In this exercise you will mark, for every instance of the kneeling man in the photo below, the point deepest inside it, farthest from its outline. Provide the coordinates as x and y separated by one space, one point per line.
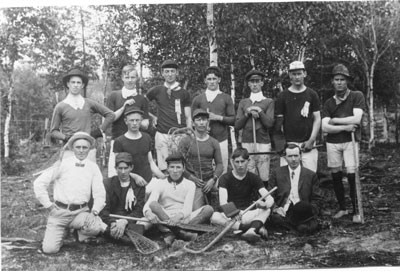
239 187
172 201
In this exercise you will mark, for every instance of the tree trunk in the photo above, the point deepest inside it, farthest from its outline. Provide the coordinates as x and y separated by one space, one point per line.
212 38
8 119
371 142
233 94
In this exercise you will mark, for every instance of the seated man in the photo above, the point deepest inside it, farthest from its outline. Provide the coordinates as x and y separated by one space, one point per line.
298 195
76 179
117 189
238 186
172 201
200 153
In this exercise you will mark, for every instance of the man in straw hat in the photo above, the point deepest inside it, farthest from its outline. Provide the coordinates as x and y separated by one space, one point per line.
256 110
298 196
75 180
74 113
341 116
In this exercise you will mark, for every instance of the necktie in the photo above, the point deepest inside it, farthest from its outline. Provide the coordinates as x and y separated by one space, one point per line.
292 175
79 164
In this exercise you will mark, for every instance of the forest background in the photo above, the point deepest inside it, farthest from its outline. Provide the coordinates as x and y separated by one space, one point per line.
41 44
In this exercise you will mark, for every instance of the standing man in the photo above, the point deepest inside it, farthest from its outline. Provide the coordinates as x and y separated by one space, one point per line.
298 196
172 201
173 109
298 110
118 101
341 116
200 153
75 180
138 144
74 113
238 186
221 109
117 189
259 110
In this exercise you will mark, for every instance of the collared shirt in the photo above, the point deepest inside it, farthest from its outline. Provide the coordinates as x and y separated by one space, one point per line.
256 97
75 102
211 94
128 92
72 184
294 190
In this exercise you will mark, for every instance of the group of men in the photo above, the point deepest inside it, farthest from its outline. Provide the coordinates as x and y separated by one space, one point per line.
177 188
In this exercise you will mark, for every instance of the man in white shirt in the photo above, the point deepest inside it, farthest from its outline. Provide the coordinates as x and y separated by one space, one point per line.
75 179
298 196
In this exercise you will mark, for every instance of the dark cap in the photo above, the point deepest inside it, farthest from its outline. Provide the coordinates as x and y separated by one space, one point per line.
302 212
131 110
215 70
75 72
169 63
252 73
175 157
340 69
123 157
200 112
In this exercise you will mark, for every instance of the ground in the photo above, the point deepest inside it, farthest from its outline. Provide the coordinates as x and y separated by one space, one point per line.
341 243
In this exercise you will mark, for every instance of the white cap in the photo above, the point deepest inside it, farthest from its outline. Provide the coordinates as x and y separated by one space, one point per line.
296 65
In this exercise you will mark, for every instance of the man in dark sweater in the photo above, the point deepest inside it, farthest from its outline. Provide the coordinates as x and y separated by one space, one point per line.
220 107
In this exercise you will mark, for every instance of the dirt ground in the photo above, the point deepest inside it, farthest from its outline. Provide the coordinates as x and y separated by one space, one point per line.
339 244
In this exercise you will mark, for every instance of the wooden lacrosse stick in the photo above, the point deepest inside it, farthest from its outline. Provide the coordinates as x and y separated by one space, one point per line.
226 229
360 217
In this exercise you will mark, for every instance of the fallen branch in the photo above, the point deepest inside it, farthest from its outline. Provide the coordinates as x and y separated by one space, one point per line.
17 239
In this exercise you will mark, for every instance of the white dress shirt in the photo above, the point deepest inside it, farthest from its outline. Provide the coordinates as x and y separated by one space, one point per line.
294 190
128 92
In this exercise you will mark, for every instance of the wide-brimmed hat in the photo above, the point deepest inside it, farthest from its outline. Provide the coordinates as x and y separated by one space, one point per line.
200 112
296 65
169 63
80 135
75 72
341 69
301 213
255 74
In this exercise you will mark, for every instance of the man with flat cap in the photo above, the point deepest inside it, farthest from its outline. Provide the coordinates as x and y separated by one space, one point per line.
297 111
257 110
172 201
221 110
341 116
117 189
76 179
74 113
173 109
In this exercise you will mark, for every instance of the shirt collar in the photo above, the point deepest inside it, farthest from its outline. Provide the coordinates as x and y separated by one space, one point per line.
76 102
212 94
340 100
128 92
256 97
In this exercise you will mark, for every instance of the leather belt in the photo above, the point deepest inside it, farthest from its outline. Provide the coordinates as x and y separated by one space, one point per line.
71 207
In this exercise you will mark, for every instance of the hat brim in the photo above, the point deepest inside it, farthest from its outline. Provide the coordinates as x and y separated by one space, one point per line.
201 115
66 78
339 73
75 137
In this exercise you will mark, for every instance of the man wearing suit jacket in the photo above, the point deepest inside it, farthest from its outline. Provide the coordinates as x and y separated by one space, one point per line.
298 195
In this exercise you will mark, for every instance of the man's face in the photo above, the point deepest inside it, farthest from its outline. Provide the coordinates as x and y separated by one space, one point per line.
130 79
170 75
212 81
133 121
297 77
201 123
293 157
240 165
75 85
175 170
123 171
81 148
255 84
339 83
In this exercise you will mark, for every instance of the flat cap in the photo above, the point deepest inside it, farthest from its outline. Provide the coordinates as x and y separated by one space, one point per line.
254 73
123 157
131 110
296 65
200 112
169 63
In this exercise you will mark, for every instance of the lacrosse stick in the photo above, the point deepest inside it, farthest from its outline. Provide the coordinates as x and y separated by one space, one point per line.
193 246
254 134
183 226
276 152
143 244
360 217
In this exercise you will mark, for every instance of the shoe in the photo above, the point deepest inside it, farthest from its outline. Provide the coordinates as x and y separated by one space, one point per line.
340 214
263 233
251 236
187 236
169 239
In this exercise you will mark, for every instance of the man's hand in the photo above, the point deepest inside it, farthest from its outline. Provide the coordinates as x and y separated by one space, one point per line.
130 199
262 205
307 146
154 122
199 183
129 102
280 211
350 127
213 116
152 217
175 219
118 228
139 179
208 185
